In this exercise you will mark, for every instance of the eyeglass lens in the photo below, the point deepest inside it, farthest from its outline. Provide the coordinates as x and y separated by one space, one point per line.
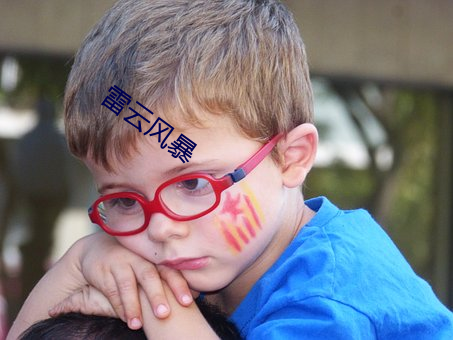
185 198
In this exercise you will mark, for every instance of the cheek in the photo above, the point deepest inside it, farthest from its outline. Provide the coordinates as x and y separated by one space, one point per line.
240 219
138 246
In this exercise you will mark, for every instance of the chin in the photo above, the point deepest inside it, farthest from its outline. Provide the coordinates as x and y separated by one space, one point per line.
205 284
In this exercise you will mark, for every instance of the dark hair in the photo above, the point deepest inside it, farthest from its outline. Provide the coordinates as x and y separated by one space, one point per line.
75 326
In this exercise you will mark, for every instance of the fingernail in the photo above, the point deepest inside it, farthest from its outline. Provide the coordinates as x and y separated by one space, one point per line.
162 310
186 299
135 323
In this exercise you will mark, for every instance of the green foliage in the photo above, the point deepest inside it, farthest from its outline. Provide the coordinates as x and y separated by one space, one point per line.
401 198
412 219
347 188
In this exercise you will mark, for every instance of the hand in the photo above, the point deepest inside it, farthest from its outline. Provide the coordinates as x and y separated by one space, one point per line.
98 260
117 271
183 323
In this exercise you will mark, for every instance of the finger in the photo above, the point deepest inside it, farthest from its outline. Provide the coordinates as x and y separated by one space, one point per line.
110 289
128 291
151 282
177 284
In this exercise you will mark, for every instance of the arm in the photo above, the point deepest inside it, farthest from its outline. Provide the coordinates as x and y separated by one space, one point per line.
183 323
63 279
99 260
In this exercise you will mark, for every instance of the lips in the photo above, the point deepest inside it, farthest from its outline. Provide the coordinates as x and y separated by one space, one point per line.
186 263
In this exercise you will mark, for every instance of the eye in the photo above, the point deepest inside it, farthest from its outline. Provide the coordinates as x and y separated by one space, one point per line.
124 202
194 184
195 187
121 205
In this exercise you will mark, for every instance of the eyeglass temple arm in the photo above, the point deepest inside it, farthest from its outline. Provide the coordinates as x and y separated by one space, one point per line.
245 168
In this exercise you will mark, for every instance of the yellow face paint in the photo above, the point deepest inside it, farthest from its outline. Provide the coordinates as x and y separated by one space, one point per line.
240 219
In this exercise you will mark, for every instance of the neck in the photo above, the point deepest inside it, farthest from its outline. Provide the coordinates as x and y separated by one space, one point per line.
293 218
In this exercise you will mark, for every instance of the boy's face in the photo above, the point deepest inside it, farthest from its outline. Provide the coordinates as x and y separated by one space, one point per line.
223 245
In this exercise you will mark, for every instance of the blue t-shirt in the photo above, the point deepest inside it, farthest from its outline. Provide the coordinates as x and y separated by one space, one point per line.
342 278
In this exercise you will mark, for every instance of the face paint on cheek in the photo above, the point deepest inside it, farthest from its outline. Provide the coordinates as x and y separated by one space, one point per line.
240 218
254 212
230 237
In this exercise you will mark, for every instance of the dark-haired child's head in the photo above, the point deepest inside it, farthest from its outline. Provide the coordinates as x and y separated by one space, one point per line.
75 326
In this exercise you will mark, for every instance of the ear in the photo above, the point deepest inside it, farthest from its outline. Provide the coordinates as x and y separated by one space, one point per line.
298 152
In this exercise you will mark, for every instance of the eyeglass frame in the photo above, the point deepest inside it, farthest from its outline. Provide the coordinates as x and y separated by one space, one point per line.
157 206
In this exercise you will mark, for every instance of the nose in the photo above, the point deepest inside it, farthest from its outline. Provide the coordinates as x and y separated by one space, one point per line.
161 228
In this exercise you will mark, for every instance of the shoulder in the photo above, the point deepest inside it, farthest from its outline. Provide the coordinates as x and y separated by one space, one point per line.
343 267
373 277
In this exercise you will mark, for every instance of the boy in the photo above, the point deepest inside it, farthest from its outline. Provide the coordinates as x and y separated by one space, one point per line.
231 79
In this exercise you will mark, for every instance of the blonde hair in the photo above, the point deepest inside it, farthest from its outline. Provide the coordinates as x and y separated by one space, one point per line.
240 58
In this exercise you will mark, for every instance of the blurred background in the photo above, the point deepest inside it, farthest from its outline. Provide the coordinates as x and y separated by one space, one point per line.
383 79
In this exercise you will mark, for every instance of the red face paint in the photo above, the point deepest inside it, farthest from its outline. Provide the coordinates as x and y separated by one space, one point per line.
231 206
239 219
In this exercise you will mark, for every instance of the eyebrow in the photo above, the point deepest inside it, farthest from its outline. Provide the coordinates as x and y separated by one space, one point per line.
196 165
111 186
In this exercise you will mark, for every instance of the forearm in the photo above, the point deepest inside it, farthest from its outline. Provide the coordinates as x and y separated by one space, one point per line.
183 322
63 279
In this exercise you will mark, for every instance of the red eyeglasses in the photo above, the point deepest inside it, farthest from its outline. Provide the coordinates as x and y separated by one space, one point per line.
182 198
